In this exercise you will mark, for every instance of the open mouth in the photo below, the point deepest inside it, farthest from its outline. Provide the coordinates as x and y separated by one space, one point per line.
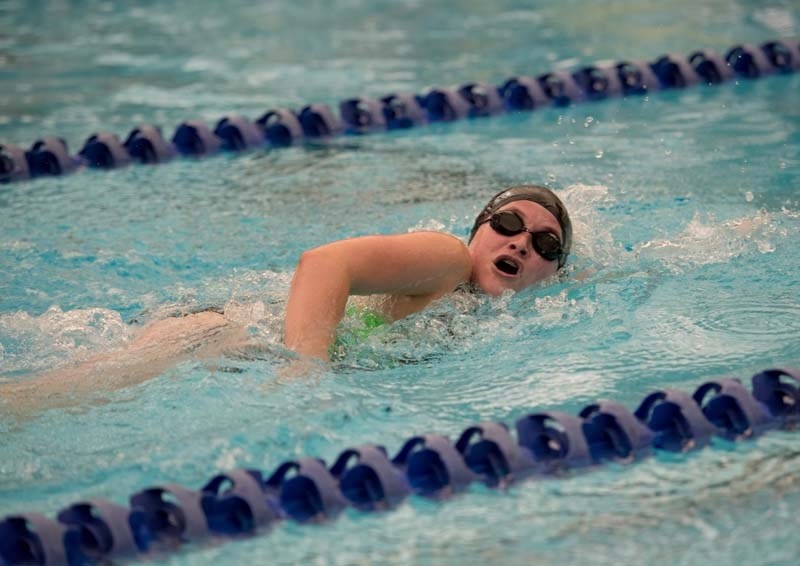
507 266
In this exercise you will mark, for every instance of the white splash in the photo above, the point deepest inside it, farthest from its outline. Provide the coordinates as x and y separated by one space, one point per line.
591 232
29 343
705 240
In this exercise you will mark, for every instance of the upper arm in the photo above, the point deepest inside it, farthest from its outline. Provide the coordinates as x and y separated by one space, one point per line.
413 264
412 269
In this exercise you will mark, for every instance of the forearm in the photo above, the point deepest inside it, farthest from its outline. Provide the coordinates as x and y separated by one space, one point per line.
317 300
156 348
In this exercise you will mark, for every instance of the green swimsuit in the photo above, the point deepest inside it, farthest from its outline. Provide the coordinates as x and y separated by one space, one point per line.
357 325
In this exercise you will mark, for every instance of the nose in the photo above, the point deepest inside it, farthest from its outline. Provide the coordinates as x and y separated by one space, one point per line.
519 243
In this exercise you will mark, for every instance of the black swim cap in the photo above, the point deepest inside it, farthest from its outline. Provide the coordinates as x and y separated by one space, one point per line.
534 193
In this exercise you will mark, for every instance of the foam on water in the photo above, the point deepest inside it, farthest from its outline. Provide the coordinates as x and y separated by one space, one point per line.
706 240
34 343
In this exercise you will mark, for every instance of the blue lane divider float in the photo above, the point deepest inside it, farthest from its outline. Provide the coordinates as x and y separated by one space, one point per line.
242 502
280 127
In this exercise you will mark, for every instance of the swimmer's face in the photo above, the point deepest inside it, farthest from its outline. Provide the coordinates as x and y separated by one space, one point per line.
500 263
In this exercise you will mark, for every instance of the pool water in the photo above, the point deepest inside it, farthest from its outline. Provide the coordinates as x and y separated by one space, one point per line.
685 267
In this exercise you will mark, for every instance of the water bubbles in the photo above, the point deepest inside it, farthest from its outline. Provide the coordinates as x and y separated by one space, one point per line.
598 154
32 343
766 247
588 121
789 213
431 225
748 196
551 177
668 152
706 241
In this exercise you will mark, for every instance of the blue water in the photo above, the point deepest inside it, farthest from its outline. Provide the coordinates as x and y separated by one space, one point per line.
686 266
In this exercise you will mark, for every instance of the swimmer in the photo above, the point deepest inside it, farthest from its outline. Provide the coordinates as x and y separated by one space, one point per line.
522 236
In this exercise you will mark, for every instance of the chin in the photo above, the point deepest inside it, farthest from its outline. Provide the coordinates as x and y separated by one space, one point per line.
493 287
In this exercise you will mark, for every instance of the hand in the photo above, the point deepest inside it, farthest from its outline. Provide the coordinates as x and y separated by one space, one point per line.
302 367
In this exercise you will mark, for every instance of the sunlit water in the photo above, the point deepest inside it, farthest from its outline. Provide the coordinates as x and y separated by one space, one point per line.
685 267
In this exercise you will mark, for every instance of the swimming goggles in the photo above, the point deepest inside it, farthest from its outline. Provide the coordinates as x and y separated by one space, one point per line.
509 223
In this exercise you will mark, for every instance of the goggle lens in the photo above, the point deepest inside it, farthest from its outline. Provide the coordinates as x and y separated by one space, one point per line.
508 223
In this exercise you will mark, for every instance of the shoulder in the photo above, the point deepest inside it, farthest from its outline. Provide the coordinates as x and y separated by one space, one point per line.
426 243
440 248
414 263
442 240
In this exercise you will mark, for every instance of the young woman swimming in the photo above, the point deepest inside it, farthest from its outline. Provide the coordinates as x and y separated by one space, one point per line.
522 236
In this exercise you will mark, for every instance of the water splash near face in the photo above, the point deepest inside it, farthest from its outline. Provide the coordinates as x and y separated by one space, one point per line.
593 239
706 240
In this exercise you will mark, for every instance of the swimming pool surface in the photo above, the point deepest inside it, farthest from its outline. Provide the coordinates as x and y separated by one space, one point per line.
686 266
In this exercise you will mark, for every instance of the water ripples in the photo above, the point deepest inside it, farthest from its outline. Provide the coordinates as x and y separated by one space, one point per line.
769 321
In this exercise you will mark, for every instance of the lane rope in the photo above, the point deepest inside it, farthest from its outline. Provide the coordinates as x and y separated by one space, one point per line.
243 502
281 127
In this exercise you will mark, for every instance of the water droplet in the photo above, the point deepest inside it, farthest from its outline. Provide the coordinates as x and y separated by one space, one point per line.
748 196
766 247
551 177
782 165
571 142
598 154
588 121
668 152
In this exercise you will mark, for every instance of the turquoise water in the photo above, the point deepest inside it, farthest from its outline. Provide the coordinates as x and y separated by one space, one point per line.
686 266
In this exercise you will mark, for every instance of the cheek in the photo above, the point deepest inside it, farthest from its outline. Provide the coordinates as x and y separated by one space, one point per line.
480 249
541 269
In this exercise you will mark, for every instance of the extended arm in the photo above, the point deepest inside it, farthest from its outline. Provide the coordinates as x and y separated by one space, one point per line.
414 269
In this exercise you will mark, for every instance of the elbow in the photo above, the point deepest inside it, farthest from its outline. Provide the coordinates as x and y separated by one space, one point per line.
313 259
307 259
319 263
